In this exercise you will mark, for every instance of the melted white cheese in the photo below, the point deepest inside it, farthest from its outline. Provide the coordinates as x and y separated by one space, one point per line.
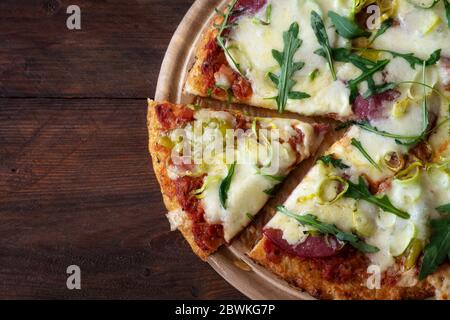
384 230
258 162
246 194
255 42
375 145
412 36
420 32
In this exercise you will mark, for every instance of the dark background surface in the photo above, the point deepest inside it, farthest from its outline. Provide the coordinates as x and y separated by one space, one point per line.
76 183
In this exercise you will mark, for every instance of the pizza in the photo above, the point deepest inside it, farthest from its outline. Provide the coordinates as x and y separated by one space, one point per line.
217 168
350 217
260 49
370 218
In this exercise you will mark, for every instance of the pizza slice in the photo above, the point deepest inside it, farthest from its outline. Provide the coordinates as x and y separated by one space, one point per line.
217 169
319 57
369 221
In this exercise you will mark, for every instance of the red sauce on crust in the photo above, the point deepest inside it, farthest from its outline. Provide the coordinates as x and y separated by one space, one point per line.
346 264
242 123
215 62
189 203
343 267
242 89
207 236
296 140
212 62
171 117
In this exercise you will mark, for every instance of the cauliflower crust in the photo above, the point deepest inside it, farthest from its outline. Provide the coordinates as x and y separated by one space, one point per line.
303 273
159 157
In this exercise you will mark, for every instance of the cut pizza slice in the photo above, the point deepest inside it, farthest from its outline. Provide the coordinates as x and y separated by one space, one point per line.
217 169
369 221
318 57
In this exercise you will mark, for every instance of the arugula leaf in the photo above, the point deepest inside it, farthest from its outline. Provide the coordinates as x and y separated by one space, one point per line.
325 228
285 59
357 144
447 11
271 192
399 139
361 191
337 163
411 58
221 29
444 209
249 216
346 27
225 186
436 252
377 89
403 140
322 37
368 68
366 76
383 28
346 55
268 17
365 124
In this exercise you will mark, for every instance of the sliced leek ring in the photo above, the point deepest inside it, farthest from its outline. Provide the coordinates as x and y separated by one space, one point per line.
400 108
439 176
219 124
401 239
434 21
329 192
410 174
166 142
394 161
388 7
414 250
200 193
306 198
363 225
239 55
443 164
386 220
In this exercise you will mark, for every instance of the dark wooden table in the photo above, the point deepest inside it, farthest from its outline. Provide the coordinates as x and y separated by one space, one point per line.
76 183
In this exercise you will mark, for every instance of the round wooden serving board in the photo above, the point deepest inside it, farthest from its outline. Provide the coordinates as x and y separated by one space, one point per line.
231 262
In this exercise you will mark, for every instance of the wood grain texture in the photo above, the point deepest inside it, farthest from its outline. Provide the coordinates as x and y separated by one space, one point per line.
117 53
76 183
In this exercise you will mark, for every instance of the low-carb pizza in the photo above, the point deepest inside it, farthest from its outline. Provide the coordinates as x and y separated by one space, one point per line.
371 218
318 57
364 210
217 169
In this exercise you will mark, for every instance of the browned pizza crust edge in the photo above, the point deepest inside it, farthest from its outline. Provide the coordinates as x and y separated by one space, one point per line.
158 161
195 82
304 274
